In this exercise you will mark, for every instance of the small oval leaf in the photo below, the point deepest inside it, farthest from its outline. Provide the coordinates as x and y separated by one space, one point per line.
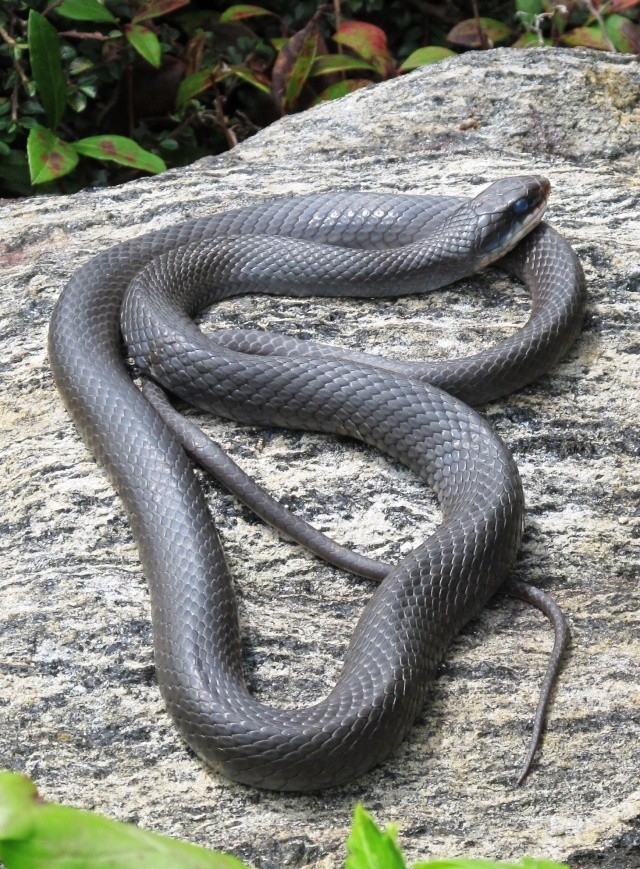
624 34
426 54
620 5
527 10
467 33
192 85
329 63
530 40
145 42
246 74
46 66
242 10
367 40
49 157
586 37
84 10
341 89
155 8
120 149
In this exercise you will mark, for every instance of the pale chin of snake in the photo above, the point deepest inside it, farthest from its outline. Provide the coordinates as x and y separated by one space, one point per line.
151 286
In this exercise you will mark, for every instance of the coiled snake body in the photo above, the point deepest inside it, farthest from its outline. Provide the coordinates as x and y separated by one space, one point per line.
331 244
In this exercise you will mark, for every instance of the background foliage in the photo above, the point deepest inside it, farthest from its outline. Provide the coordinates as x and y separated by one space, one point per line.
96 92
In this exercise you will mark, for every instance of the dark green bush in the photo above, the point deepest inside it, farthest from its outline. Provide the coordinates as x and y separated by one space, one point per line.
94 92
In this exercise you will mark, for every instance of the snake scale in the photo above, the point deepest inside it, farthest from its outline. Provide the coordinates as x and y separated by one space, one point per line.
334 244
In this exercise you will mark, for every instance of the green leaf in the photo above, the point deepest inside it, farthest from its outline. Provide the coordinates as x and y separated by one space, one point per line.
192 85
155 8
341 89
530 40
425 55
243 10
328 63
624 34
371 848
527 10
84 10
121 150
145 42
37 835
49 157
245 74
300 70
367 40
466 33
586 37
44 54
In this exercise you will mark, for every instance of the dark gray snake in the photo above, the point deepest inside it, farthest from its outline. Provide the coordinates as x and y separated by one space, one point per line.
358 244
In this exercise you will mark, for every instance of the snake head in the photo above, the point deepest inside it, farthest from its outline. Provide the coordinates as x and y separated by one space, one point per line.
504 213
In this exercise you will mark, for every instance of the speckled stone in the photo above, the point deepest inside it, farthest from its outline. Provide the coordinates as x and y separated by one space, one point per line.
79 708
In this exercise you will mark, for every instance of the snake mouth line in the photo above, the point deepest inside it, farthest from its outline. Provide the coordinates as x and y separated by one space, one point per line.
521 228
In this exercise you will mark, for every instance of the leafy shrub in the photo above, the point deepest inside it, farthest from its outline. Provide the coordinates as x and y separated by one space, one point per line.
95 92
35 834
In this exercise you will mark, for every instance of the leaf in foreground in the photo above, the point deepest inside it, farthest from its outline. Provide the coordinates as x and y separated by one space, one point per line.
38 835
372 848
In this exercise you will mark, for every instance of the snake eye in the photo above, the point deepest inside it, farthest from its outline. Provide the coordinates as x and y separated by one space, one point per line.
521 205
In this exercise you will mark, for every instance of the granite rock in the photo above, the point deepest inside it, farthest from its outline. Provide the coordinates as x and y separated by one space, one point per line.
79 707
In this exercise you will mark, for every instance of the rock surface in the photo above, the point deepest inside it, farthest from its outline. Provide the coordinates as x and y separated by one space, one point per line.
80 711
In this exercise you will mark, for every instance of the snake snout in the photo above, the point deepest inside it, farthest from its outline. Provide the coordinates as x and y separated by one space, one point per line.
505 212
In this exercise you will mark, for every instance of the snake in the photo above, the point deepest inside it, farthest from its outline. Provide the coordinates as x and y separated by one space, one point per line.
130 310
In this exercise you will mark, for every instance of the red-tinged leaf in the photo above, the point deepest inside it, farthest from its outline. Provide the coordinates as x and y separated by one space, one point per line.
192 85
300 70
341 89
84 10
155 8
121 150
621 5
586 37
367 40
260 82
243 10
424 55
624 34
466 33
145 42
49 157
293 65
46 67
330 63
